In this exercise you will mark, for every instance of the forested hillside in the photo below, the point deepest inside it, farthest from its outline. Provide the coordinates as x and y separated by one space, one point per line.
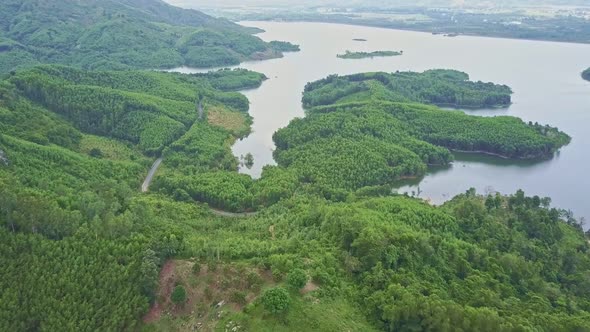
110 34
439 87
586 74
74 148
330 248
369 129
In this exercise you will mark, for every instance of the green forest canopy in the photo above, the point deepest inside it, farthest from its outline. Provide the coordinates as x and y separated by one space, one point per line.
75 146
439 87
361 132
122 34
362 55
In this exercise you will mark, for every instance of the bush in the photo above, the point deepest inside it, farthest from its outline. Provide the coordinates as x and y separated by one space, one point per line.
239 297
254 280
96 153
178 295
297 278
212 265
276 300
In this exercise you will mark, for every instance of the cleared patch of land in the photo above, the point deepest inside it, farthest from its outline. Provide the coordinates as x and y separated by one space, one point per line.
234 122
108 148
214 290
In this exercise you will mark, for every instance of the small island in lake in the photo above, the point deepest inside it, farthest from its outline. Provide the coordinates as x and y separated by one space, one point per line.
359 39
363 55
586 74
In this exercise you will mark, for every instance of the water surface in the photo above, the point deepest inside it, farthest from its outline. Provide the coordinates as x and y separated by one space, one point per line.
545 77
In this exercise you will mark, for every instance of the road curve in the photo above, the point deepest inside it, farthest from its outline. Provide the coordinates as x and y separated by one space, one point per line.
226 214
200 110
148 180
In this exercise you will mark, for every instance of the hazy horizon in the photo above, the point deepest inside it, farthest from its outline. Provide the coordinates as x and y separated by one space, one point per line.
387 3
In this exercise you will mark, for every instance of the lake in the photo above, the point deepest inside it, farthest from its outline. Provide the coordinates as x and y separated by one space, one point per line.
545 77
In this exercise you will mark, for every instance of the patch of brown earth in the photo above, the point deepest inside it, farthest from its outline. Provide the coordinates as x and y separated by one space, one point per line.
166 275
234 122
309 287
213 291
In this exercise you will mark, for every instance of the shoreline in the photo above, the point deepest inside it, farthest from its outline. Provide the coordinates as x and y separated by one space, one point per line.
485 153
493 154
413 30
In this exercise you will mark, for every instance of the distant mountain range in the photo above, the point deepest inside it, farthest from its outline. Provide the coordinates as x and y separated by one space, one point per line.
380 3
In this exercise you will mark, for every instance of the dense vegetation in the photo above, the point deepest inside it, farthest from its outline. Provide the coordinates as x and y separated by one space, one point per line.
364 139
362 55
328 148
121 35
364 144
439 87
586 74
74 147
330 249
151 110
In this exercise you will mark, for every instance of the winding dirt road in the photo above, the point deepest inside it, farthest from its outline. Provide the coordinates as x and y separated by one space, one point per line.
226 214
200 110
148 180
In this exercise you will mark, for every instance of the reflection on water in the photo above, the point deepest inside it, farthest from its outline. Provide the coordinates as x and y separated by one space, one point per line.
467 163
495 161
544 76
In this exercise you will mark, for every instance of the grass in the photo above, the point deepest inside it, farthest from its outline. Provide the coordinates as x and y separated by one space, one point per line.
111 149
306 313
217 283
236 123
212 284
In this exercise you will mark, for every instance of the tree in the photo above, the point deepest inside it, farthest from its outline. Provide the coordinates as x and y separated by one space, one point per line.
96 153
297 278
276 300
178 295
249 159
490 203
149 273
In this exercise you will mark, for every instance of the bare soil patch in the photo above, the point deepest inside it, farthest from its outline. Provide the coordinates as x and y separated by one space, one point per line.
213 290
166 275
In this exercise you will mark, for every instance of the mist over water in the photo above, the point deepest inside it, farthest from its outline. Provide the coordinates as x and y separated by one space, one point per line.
545 77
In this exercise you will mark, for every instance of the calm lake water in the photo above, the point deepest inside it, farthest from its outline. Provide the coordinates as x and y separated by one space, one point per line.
545 77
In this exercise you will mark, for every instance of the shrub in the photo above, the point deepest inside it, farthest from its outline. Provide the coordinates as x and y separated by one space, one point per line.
178 295
253 279
238 297
276 300
297 278
96 153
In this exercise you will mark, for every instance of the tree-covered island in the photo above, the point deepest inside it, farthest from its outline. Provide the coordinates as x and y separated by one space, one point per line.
363 55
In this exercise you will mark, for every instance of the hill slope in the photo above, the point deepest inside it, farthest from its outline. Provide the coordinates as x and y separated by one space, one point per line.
120 34
81 247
